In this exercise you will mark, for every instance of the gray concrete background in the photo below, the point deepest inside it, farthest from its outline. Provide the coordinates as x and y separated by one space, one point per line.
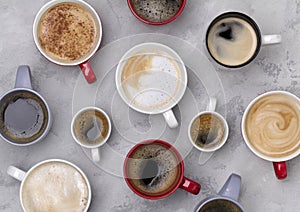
276 67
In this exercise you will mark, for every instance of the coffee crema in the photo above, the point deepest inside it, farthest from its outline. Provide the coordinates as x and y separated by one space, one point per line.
55 187
272 125
153 169
150 79
232 41
207 131
23 117
155 10
220 205
91 127
67 32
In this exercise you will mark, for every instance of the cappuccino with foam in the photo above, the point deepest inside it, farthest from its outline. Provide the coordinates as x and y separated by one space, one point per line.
233 39
55 186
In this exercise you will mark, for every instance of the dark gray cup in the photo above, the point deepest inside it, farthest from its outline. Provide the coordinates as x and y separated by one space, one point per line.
25 116
226 199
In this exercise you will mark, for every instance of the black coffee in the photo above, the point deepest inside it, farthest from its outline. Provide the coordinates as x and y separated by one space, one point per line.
23 117
153 169
156 10
220 205
91 127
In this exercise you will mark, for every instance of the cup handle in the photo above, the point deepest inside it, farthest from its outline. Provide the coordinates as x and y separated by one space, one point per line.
212 104
95 154
16 173
23 79
170 119
88 72
204 157
270 39
280 170
190 186
232 187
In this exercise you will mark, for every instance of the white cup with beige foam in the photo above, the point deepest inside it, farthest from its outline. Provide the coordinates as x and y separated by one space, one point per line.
53 185
151 78
271 128
233 39
208 131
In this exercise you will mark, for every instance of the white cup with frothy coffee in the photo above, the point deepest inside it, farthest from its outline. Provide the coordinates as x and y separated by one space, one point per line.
234 39
53 185
151 78
271 128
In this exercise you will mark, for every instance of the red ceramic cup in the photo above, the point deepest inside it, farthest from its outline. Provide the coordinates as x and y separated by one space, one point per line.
182 182
83 62
136 14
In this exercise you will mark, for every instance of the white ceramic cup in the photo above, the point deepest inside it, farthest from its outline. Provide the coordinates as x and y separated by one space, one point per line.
94 147
279 163
83 63
24 176
206 153
263 40
154 84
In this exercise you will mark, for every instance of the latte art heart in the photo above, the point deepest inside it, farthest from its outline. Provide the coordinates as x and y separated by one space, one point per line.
273 125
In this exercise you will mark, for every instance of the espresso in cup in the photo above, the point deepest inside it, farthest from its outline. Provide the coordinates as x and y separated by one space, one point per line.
91 127
271 125
207 130
220 205
233 39
153 169
23 116
55 186
68 32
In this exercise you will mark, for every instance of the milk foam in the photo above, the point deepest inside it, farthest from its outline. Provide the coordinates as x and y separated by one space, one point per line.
151 80
55 186
273 125
232 41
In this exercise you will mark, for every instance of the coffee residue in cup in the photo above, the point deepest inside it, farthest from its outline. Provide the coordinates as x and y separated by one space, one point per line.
156 10
207 130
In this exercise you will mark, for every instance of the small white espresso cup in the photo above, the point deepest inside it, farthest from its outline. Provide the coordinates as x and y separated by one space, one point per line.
207 150
67 171
151 78
101 132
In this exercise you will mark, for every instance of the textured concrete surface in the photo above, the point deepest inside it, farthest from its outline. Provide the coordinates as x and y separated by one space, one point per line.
276 67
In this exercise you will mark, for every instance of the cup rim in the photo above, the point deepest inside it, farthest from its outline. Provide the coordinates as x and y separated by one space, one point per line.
109 127
181 164
41 12
249 20
49 122
175 16
217 197
253 101
27 173
225 137
182 71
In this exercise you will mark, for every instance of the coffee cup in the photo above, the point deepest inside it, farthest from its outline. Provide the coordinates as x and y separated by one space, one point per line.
227 198
208 131
156 12
233 40
91 128
25 116
151 78
68 33
53 185
270 128
154 169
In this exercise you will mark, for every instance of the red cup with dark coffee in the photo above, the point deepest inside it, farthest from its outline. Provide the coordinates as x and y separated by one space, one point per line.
154 169
156 12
